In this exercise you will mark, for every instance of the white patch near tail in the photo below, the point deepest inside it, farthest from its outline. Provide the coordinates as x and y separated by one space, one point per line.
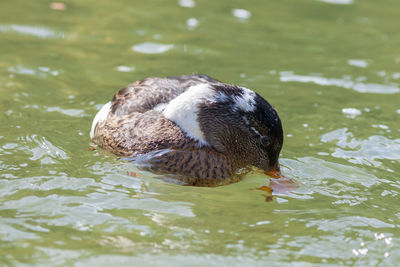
245 102
100 117
183 110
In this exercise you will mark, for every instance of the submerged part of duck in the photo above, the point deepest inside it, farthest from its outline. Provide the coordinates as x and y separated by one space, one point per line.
199 129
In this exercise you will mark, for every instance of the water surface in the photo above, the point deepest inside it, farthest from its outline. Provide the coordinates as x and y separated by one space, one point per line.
331 69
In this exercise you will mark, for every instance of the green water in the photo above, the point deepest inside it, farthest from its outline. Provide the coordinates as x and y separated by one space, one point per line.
331 70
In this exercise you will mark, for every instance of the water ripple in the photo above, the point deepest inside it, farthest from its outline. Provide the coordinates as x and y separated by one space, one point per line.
345 82
318 170
40 72
36 31
187 3
338 2
42 149
192 23
351 112
241 14
358 63
125 69
363 151
152 48
69 112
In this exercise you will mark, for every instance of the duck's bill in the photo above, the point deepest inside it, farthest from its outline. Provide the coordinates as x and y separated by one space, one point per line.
274 173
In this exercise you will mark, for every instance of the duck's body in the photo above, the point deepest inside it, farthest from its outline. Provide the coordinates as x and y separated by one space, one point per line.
200 129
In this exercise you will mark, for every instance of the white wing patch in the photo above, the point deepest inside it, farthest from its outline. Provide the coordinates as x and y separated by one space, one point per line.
245 102
183 110
160 107
100 117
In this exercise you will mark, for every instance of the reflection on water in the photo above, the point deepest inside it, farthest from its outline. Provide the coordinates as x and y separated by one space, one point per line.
36 31
125 69
192 23
346 82
69 112
338 2
242 14
40 72
152 48
358 63
187 3
370 151
351 112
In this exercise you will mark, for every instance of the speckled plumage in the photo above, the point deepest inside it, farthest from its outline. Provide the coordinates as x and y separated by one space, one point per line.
234 121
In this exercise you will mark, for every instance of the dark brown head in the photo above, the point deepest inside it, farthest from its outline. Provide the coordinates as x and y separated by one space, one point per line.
243 126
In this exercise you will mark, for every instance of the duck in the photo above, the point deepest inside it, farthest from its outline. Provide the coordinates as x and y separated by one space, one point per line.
197 129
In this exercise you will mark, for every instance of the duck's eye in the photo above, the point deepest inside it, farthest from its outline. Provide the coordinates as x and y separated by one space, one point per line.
265 140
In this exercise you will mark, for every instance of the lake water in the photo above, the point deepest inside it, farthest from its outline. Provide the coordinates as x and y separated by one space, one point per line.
330 67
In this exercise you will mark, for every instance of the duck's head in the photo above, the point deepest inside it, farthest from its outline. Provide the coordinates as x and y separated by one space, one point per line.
233 120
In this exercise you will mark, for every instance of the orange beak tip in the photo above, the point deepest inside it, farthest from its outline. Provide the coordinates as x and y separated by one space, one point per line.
273 173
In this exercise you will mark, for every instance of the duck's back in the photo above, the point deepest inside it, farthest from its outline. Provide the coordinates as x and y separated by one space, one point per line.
132 123
153 93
